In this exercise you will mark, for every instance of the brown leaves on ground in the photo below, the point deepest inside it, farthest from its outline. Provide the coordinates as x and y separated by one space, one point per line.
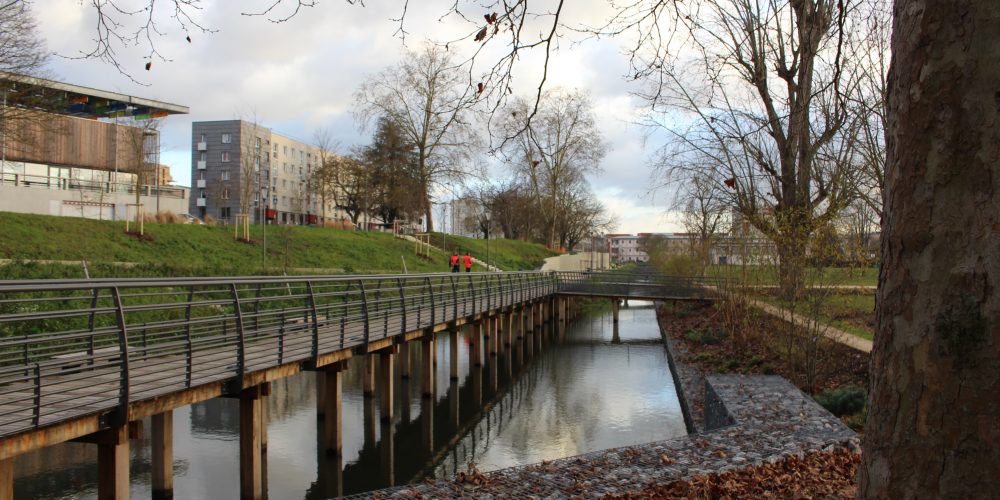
817 475
471 477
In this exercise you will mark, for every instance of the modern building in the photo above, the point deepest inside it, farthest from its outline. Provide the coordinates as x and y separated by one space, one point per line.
235 164
71 150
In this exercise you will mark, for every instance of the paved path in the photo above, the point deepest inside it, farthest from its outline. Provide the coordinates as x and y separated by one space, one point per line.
836 334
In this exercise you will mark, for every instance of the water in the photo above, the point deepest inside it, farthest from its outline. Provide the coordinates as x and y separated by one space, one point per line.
587 392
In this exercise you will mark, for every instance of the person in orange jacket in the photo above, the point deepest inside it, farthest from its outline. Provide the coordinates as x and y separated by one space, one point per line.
467 260
453 262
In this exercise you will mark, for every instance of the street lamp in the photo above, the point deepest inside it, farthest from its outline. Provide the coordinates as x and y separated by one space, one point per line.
488 268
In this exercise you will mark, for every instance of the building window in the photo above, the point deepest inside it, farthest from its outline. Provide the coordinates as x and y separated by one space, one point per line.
284 150
203 156
225 156
257 144
224 212
275 150
202 138
201 194
225 193
225 175
227 138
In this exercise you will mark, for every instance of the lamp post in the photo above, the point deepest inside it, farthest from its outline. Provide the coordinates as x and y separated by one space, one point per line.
488 268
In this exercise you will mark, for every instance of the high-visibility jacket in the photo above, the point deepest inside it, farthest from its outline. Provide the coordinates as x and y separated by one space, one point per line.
468 261
454 260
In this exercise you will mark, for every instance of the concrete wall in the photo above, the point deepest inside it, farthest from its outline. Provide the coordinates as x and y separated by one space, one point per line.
88 204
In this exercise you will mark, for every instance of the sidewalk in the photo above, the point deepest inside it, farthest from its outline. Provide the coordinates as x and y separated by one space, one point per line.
836 334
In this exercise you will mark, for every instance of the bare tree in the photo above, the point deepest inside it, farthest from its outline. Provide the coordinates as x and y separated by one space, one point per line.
705 207
555 151
253 172
762 96
22 56
354 186
323 177
142 143
428 98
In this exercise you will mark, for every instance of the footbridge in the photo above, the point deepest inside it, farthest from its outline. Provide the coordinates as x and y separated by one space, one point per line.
88 360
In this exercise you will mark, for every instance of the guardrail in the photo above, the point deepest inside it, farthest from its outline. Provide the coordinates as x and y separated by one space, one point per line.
638 284
74 348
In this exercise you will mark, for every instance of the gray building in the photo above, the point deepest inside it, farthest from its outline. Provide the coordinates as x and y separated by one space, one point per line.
238 166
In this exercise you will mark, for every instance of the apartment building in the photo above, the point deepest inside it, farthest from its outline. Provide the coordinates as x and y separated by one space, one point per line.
239 166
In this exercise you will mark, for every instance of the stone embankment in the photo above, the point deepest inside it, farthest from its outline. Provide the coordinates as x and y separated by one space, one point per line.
733 420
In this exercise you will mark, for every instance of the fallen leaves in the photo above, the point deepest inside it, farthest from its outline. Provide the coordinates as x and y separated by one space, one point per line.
816 475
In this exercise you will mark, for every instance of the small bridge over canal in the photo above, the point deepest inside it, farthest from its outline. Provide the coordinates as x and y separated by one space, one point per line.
87 360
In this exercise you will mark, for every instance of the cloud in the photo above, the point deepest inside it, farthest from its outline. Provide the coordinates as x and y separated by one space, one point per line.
301 75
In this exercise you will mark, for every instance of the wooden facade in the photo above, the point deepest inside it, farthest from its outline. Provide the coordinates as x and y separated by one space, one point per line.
67 141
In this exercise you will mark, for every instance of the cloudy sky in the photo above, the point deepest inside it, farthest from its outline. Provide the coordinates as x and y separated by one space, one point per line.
300 75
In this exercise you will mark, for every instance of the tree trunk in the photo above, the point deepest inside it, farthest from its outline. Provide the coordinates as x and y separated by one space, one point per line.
933 427
791 267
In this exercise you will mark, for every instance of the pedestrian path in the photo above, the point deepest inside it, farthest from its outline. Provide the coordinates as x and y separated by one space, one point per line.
832 333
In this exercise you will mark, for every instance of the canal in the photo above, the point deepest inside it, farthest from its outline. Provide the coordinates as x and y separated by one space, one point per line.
588 391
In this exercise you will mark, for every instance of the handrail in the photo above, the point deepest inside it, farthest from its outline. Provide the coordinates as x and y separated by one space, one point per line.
156 336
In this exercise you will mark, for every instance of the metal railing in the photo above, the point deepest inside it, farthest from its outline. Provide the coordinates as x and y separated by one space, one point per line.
97 186
641 283
71 348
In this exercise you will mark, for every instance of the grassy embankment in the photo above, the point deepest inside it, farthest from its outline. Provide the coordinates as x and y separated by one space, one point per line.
849 309
193 250
509 255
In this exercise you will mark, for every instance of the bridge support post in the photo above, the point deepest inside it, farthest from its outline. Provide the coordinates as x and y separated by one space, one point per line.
251 464
163 455
387 447
320 394
453 404
386 357
332 439
427 424
476 345
491 326
615 337
112 463
427 364
404 361
369 376
508 330
455 339
7 479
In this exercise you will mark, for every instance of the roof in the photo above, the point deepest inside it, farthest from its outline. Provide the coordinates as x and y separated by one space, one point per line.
75 100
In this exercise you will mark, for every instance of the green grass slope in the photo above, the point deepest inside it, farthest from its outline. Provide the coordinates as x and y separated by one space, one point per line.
190 250
509 255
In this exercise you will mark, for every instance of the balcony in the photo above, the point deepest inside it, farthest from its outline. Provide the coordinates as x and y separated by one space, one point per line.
202 146
201 202
202 164
200 183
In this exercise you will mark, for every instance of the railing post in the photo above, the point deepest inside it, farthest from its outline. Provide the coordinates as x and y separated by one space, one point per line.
188 347
241 348
123 380
430 289
472 288
454 298
90 326
402 305
364 309
311 298
37 414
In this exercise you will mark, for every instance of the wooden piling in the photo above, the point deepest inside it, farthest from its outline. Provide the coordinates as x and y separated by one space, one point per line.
333 409
386 357
427 365
112 463
163 455
6 479
251 470
455 339
369 376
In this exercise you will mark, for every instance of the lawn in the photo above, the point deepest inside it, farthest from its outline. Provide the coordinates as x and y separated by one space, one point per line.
184 249
509 255
851 312
826 276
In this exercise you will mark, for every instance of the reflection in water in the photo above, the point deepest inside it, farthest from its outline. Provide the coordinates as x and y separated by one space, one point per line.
523 406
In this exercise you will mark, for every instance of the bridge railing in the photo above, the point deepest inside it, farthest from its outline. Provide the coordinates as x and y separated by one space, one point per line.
635 284
75 347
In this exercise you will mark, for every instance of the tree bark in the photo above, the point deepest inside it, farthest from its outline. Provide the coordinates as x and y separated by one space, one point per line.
933 427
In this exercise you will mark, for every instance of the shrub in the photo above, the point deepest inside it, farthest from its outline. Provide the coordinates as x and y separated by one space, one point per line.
845 400
708 335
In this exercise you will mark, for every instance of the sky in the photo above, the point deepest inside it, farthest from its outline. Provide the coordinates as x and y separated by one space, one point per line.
300 75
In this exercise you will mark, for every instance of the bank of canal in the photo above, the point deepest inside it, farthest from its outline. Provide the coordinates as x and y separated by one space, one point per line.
587 391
